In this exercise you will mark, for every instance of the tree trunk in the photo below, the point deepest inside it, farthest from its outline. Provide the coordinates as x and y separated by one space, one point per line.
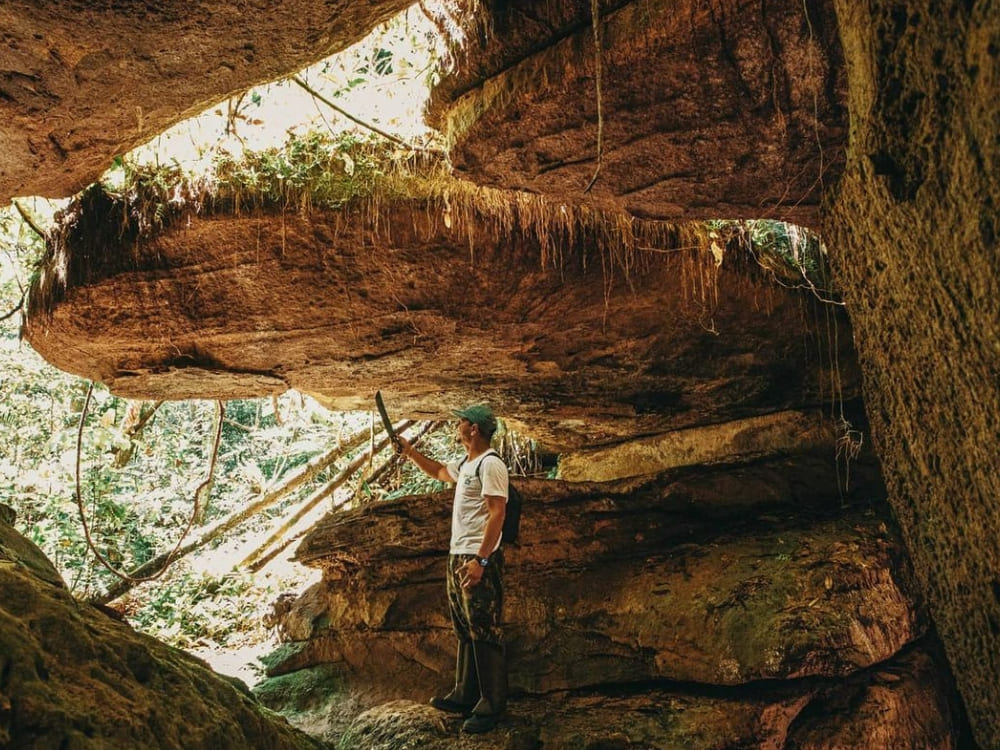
305 475
258 559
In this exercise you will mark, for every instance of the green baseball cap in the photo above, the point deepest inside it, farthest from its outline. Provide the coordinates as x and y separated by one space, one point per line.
481 415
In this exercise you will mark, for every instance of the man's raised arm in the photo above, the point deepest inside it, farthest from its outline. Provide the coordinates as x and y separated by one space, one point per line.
430 467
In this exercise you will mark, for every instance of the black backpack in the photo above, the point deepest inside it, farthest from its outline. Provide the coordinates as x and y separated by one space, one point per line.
512 514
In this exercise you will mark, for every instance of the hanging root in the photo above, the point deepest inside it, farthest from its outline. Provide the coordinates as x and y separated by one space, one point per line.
598 70
220 412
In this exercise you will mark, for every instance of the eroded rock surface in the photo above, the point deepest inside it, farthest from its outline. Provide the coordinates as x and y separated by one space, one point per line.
917 227
84 82
715 110
597 346
753 602
900 707
780 432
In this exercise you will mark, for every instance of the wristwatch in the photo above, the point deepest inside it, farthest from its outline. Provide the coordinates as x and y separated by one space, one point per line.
483 561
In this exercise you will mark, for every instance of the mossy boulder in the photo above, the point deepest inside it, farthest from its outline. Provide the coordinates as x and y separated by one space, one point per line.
75 677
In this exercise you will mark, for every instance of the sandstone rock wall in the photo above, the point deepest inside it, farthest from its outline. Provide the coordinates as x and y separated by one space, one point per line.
752 603
916 229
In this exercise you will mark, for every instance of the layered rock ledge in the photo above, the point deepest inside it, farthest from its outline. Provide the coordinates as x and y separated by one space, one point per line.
576 331
728 109
754 602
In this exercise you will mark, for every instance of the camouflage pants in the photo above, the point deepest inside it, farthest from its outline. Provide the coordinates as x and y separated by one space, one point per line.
477 612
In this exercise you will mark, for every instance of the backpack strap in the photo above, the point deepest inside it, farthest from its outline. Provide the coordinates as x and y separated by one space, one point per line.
479 466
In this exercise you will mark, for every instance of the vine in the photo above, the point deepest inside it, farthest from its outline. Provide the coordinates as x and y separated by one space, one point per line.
220 412
598 70
357 121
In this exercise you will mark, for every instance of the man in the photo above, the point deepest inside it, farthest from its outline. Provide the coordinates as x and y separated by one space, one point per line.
475 569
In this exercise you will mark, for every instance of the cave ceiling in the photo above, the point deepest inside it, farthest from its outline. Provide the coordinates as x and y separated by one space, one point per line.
83 82
707 111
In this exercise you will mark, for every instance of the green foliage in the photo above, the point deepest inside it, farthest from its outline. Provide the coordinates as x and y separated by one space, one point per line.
21 251
381 61
193 607
791 255
137 485
405 54
415 484
798 247
309 170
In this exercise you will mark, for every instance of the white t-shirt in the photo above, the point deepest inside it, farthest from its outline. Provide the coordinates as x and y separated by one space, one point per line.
469 510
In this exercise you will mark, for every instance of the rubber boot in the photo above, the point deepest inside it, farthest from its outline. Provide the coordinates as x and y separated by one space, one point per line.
491 665
463 696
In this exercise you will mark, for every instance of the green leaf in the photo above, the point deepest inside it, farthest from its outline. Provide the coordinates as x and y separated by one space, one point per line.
383 62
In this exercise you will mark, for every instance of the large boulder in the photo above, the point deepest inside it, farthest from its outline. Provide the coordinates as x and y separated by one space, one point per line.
75 676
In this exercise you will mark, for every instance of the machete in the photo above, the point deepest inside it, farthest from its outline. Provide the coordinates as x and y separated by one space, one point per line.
386 423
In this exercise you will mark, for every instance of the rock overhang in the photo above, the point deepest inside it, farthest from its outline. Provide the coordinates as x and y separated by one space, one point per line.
577 325
82 83
691 111
765 85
